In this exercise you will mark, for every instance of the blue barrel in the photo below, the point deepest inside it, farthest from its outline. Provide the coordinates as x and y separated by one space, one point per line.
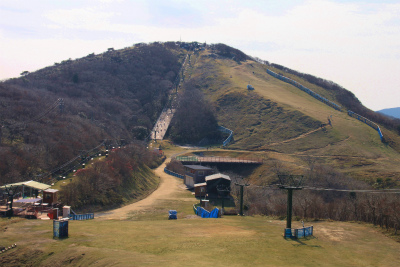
60 228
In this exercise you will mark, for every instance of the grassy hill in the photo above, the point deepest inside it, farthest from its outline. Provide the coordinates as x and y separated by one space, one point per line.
125 91
279 118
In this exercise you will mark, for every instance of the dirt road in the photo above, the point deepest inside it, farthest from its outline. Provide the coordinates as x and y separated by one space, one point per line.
168 186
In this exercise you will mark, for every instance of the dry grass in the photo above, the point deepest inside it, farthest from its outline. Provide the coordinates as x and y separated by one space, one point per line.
229 241
348 139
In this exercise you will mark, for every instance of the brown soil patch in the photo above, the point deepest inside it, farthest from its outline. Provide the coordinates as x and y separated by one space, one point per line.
333 234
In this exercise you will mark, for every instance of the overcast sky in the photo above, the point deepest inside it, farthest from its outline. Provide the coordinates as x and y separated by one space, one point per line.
353 43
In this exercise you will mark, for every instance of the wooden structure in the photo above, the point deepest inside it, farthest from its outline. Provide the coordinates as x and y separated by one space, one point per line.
50 196
215 182
195 174
200 190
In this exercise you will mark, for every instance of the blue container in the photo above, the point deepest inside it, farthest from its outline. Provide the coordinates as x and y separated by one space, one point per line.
60 228
172 215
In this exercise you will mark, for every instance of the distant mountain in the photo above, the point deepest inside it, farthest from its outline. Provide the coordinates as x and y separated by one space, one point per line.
393 112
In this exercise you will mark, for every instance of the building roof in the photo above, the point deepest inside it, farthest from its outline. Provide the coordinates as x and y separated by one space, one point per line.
50 190
197 167
32 184
217 176
200 184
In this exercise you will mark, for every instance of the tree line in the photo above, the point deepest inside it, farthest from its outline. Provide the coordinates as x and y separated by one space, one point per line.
121 176
313 203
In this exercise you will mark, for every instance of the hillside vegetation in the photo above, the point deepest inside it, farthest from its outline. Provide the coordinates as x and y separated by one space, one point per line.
116 95
121 177
279 118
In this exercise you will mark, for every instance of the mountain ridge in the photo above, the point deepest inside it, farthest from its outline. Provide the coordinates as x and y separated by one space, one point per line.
392 112
118 95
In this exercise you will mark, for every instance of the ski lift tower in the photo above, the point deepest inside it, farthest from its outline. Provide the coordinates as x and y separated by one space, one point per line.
290 183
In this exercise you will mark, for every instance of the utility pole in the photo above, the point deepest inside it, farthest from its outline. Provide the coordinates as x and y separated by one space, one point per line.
241 197
290 183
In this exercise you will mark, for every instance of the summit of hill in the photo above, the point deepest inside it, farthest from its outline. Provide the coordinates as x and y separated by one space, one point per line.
52 115
280 121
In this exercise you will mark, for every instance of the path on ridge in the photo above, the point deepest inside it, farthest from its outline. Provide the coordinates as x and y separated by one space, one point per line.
296 138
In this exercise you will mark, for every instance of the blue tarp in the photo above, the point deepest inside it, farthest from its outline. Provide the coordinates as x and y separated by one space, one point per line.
207 214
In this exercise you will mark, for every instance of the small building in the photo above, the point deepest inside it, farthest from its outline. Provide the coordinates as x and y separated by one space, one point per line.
250 87
200 190
195 174
50 196
218 181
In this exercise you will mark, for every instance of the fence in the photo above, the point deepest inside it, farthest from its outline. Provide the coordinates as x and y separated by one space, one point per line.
366 121
299 233
186 158
305 89
219 159
173 173
226 130
81 217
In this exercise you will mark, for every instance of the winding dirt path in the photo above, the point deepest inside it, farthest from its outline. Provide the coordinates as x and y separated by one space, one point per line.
167 188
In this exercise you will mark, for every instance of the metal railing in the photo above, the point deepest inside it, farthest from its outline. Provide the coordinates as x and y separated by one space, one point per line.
81 217
173 173
305 89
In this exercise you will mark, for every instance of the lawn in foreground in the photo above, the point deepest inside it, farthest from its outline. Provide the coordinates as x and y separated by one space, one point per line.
228 241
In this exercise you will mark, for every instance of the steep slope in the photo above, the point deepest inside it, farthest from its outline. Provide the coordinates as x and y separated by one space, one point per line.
119 94
57 113
279 117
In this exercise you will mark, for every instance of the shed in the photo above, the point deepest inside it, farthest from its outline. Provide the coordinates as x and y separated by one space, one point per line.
215 181
200 190
50 196
250 87
195 174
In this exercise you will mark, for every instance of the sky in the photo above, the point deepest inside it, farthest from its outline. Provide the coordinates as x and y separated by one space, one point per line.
355 44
